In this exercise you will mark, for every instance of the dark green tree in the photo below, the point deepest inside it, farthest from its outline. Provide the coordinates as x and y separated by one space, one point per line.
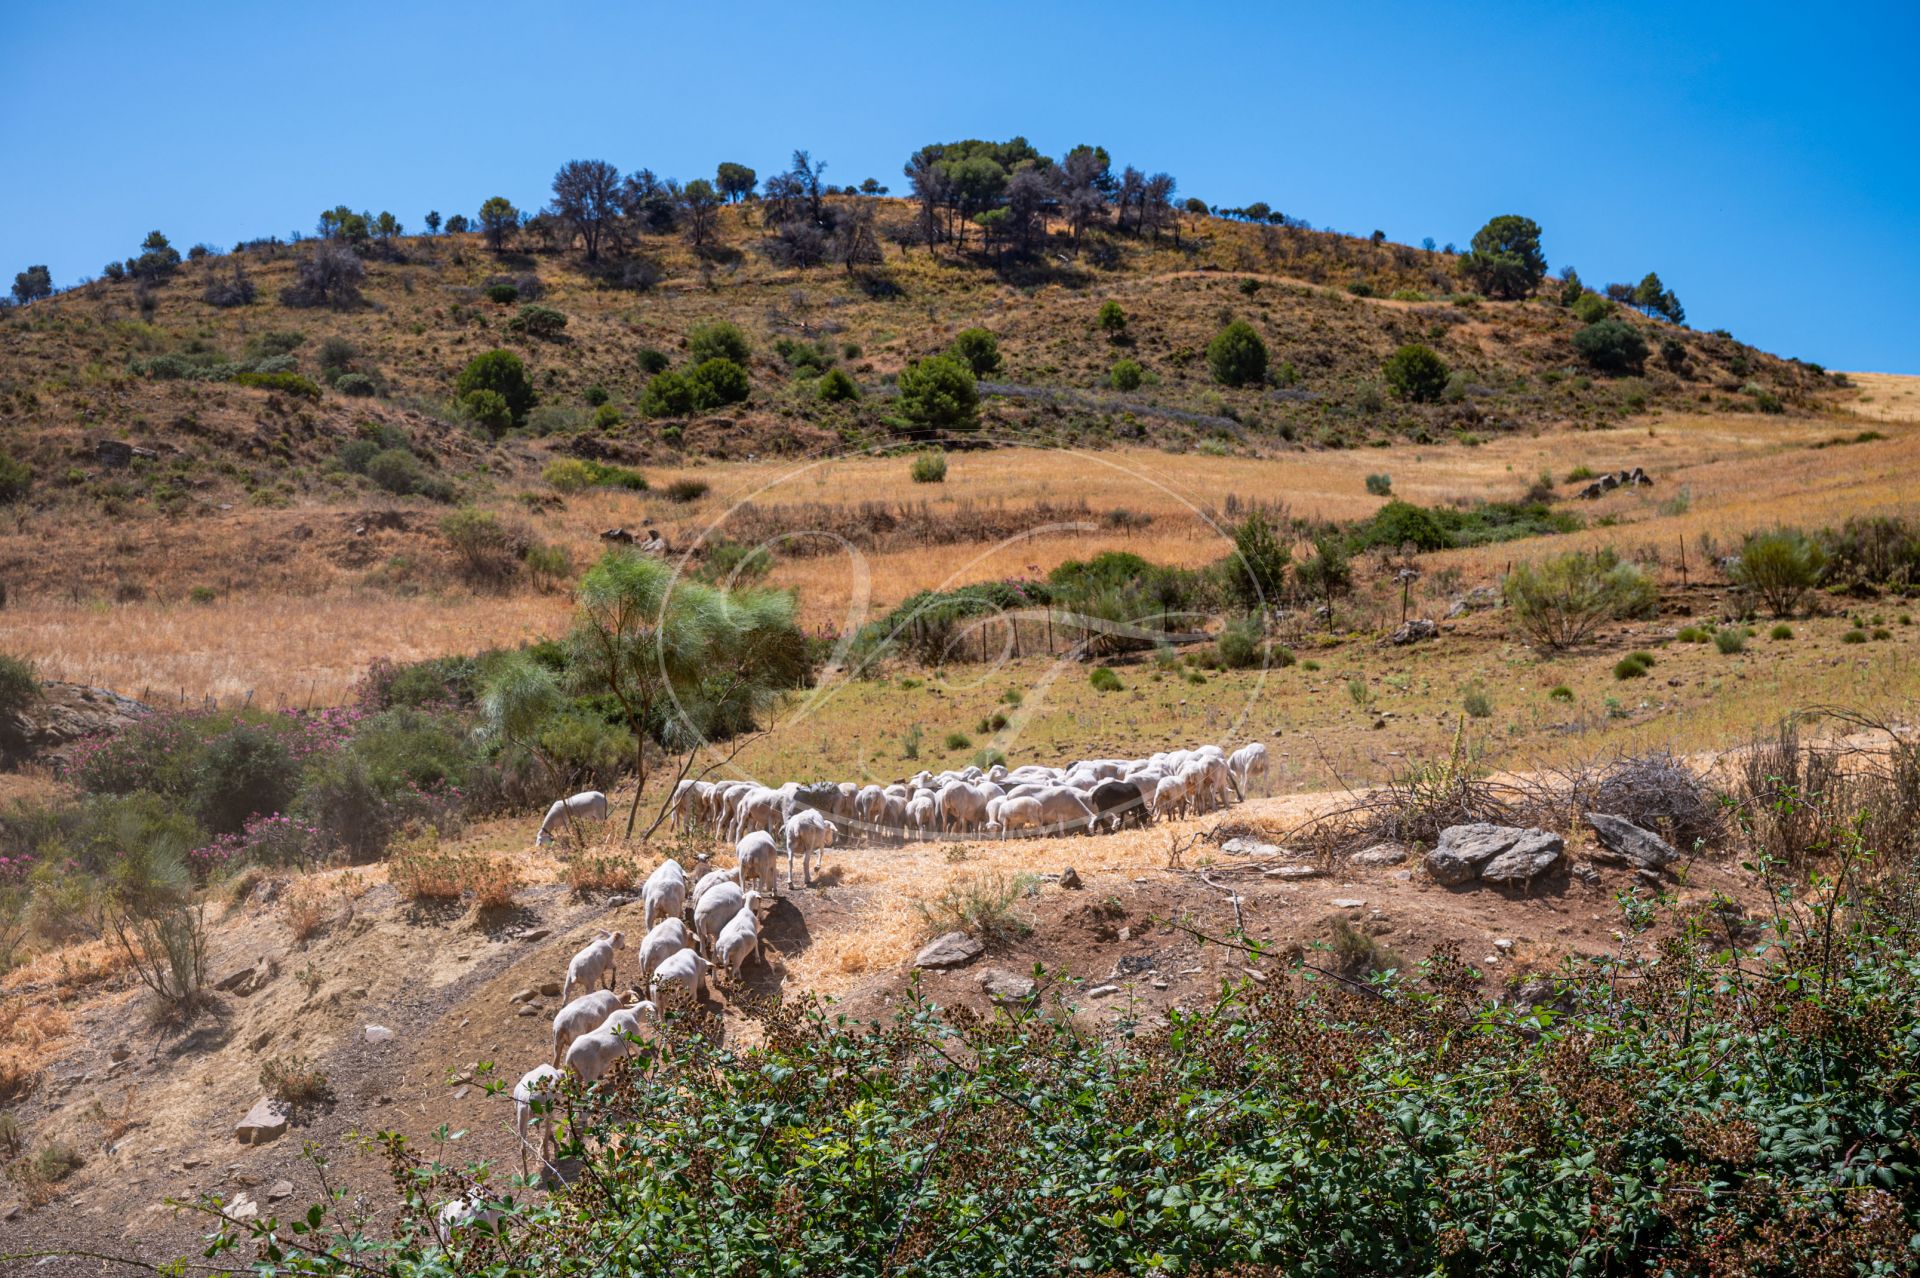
979 349
1506 261
32 284
939 393
1612 346
503 373
1256 574
718 340
498 221
1416 373
735 181
1237 356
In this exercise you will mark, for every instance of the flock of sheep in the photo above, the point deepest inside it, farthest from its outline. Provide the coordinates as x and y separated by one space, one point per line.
716 920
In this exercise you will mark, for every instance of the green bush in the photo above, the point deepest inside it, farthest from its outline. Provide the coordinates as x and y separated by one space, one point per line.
1856 635
687 490
1730 641
504 294
1380 485
1781 566
1630 667
19 687
939 393
575 474
15 480
1612 346
538 321
837 387
1256 573
396 470
285 383
488 410
1694 634
959 741
1237 356
1560 692
978 349
1104 680
1242 644
356 385
245 771
652 360
1559 602
595 395
1781 631
503 373
1112 319
1477 701
1127 375
1416 373
719 340
717 382
668 395
1591 308
929 468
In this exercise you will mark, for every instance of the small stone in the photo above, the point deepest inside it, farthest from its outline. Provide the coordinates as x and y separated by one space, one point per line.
1503 944
1622 840
1294 872
1070 879
1159 983
527 1009
379 1034
1103 991
120 1052
1005 988
550 988
955 949
536 934
241 1208
618 899
460 1092
525 996
1381 854
1348 902
266 1121
1125 934
278 1190
260 1041
1249 847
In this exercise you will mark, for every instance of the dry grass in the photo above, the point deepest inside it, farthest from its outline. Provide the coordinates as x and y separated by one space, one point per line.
424 871
1886 397
312 905
604 871
30 1031
70 968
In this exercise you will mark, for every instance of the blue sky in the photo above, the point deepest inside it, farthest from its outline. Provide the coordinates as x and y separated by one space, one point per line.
1761 157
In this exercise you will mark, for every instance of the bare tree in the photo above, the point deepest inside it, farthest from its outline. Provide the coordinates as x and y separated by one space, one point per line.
587 197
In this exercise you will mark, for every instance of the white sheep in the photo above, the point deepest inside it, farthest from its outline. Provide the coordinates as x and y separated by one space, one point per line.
579 1016
711 880
684 975
1248 763
588 805
593 1053
739 940
1169 797
665 894
592 963
538 1086
668 937
714 911
807 835
1022 813
469 1211
756 854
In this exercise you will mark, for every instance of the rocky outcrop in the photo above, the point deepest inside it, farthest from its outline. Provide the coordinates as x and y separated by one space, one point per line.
1619 479
64 713
955 949
1414 631
266 1121
1482 852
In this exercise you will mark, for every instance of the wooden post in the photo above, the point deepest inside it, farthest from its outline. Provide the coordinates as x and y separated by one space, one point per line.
1683 561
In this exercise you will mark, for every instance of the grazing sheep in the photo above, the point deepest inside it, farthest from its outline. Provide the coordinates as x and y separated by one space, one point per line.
538 1086
922 815
1169 797
592 1054
668 937
756 853
711 880
1023 813
579 1016
684 976
469 1211
739 940
593 963
633 1020
807 835
588 805
715 910
665 894
1248 764
1064 809
1117 800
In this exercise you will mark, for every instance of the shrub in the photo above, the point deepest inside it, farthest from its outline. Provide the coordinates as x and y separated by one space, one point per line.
1380 485
939 393
1694 634
482 545
1781 631
603 872
1104 680
1416 373
959 741
1256 575
357 385
1112 319
19 687
929 468
293 1080
397 470
686 490
285 383
668 395
245 771
1559 602
652 361
1780 566
1477 702
717 382
538 321
1730 641
1630 667
423 871
595 395
1560 692
982 906
503 373
978 349
15 480
329 275
1591 308
1127 375
837 387
1242 644
1237 356
504 294
718 340
1612 346
1855 635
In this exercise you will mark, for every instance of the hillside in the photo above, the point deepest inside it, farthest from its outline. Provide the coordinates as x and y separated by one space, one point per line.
107 398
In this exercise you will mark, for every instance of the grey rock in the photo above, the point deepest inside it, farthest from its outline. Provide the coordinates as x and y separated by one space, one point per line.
1070 879
535 934
378 1034
955 949
527 1009
1347 902
1479 599
1381 854
1103 991
278 1190
120 1052
525 996
1007 989
1250 847
1622 840
1294 872
1414 631
266 1121
550 988
241 1208
1533 854
1500 853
